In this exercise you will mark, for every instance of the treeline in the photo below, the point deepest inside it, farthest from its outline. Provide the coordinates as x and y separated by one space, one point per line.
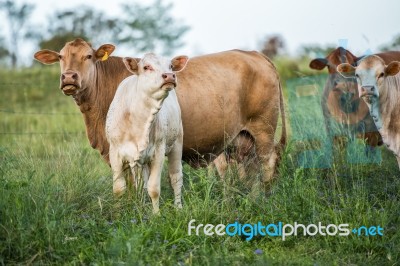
146 28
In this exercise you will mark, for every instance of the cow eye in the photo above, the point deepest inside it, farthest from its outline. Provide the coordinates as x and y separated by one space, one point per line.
59 57
170 66
381 75
89 56
147 67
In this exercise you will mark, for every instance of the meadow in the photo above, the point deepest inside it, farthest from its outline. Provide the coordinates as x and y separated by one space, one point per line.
57 206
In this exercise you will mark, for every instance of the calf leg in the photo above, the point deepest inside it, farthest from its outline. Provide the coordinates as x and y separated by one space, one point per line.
119 183
175 172
154 182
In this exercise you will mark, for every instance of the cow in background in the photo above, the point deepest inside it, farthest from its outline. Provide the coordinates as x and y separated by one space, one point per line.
342 108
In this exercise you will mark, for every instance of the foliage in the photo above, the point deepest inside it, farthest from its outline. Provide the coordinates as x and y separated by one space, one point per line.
152 28
273 46
394 45
19 29
83 22
316 51
57 207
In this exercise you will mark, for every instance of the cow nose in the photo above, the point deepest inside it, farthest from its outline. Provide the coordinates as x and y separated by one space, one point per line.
169 77
368 89
69 76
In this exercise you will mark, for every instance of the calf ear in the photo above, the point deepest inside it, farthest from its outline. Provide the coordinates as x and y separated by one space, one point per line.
178 63
131 64
104 51
319 63
346 70
47 57
392 69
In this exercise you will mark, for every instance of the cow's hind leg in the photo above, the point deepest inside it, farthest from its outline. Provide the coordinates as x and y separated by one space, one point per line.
263 135
175 172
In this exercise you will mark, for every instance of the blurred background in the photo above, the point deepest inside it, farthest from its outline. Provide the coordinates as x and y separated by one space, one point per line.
281 29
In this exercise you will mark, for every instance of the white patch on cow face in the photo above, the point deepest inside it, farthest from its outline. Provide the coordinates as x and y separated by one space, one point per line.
156 73
370 75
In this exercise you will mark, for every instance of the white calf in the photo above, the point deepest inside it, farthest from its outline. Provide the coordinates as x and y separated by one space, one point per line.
143 125
379 86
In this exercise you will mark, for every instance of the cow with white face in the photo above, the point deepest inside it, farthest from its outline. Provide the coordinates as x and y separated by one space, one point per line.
379 87
144 124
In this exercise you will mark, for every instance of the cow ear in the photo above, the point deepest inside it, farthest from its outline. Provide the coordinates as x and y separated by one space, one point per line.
319 63
392 69
47 57
178 63
346 70
131 64
104 51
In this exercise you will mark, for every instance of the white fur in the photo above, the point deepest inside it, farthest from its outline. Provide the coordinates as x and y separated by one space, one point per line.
143 125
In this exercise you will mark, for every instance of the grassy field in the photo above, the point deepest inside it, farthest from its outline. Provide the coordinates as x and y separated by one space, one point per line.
57 207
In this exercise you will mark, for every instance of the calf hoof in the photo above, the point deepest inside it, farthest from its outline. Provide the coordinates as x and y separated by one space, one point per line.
119 190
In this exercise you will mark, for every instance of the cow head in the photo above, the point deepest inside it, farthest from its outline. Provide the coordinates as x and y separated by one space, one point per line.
334 58
370 74
77 61
156 72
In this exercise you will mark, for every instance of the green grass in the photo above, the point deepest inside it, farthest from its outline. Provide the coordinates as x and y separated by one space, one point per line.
57 207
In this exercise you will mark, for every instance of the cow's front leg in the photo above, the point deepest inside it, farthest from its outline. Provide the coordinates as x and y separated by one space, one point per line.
154 183
119 183
175 172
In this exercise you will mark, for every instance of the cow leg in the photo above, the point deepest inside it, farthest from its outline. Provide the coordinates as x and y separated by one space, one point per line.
175 172
154 183
221 165
398 161
119 183
263 135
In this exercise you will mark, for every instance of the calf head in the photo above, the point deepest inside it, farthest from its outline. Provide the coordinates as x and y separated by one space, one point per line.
155 73
77 61
370 74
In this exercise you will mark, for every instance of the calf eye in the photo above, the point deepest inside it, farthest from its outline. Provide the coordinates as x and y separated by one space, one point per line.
148 67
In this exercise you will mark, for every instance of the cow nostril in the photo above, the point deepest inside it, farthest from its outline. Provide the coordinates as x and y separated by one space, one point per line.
164 76
75 76
62 77
173 76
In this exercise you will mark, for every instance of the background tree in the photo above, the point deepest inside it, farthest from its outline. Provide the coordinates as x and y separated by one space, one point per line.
83 22
273 45
151 28
17 17
315 50
393 45
3 50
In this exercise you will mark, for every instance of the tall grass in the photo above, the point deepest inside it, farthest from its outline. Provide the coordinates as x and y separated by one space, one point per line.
57 207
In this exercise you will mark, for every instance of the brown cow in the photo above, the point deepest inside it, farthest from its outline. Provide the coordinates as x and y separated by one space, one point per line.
340 101
221 96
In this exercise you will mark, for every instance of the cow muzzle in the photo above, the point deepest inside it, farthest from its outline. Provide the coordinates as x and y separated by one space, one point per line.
368 93
70 83
169 81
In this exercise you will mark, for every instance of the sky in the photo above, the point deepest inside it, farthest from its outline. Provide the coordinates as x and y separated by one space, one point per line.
216 25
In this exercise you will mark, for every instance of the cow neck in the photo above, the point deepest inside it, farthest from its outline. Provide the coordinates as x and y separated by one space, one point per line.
144 108
95 100
385 112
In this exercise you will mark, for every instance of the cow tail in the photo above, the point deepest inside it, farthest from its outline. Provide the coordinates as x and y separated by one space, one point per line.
282 141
